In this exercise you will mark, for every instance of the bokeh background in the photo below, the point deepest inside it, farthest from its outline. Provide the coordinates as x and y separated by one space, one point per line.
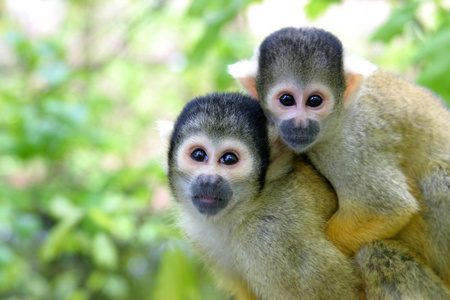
84 206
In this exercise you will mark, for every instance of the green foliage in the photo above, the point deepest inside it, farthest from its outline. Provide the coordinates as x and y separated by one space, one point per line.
215 15
431 41
78 167
397 23
315 8
433 56
176 269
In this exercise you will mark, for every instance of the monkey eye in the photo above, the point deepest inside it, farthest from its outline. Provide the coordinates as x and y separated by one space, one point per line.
229 159
314 101
287 100
199 155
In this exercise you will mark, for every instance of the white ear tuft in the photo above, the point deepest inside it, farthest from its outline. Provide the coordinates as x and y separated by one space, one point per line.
356 64
245 68
165 129
245 73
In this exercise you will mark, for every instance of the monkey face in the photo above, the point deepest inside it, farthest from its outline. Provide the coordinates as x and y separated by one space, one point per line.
213 174
298 111
219 154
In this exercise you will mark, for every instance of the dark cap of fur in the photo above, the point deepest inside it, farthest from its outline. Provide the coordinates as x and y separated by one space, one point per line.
222 115
305 54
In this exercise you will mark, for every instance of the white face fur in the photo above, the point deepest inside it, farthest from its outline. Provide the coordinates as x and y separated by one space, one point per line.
228 157
286 100
213 175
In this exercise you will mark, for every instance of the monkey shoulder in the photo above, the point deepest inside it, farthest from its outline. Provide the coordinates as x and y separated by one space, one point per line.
391 115
388 95
416 119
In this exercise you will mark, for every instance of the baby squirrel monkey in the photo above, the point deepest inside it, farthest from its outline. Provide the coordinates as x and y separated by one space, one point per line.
377 138
259 224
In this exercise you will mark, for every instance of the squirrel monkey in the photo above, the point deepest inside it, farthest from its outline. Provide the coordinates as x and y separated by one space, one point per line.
259 223
373 135
262 236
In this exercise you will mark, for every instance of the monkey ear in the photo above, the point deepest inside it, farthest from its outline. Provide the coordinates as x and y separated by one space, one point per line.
356 70
165 129
353 82
245 73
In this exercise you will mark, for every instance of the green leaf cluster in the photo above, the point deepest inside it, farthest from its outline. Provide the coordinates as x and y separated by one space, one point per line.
427 36
80 161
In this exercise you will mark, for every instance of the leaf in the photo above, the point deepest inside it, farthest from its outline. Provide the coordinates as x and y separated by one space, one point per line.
176 279
79 294
62 208
435 61
436 45
314 8
116 287
55 242
396 22
104 251
215 21
123 227
100 218
96 280
197 7
436 76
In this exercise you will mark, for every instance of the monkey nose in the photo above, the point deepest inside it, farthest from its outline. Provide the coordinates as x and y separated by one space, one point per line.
209 179
299 123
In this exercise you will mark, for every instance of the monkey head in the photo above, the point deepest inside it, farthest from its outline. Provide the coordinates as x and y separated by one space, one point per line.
297 75
218 153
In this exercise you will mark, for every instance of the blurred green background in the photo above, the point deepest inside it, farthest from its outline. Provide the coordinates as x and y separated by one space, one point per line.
83 196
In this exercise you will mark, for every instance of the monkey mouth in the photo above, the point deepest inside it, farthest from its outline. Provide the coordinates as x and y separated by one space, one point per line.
209 205
208 199
299 137
298 141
